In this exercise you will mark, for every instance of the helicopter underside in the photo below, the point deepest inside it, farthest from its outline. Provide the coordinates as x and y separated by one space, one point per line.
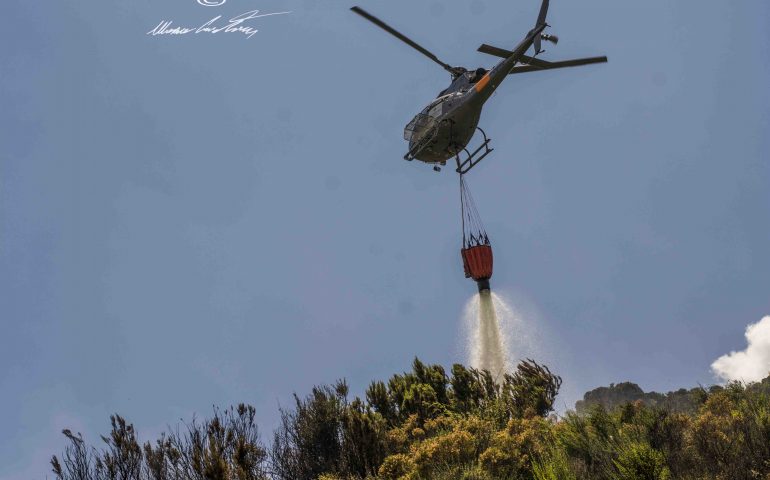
444 140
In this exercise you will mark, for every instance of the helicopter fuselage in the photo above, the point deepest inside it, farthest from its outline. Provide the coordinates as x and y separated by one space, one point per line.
445 127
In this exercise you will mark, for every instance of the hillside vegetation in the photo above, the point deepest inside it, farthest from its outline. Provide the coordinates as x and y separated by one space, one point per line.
427 424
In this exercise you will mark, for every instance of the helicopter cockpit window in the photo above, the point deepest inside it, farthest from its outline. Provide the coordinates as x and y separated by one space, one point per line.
419 126
433 110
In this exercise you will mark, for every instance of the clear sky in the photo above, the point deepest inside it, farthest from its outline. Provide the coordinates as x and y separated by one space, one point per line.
210 219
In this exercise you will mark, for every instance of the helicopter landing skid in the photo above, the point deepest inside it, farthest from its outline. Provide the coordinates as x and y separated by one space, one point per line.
473 159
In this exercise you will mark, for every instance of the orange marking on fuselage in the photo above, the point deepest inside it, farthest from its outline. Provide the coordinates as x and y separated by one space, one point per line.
482 83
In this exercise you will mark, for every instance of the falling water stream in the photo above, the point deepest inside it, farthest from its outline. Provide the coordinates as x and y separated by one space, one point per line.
491 346
488 322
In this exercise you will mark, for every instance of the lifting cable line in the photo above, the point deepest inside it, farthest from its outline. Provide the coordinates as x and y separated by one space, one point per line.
473 228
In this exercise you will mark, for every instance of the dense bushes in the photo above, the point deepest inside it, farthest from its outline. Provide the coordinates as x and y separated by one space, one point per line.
727 438
425 424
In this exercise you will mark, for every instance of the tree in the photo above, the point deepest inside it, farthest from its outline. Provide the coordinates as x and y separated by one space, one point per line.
225 447
308 442
531 389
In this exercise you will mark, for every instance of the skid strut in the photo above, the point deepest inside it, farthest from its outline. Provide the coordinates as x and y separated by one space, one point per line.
473 159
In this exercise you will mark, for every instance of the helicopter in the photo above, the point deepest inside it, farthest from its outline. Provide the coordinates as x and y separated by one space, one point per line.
445 127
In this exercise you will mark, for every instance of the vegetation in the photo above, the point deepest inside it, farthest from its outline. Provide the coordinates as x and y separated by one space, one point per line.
616 395
427 424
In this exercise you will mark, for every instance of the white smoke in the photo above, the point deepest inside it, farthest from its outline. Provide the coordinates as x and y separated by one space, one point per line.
751 364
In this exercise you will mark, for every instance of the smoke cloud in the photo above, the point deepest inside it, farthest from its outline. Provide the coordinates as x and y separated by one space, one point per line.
751 364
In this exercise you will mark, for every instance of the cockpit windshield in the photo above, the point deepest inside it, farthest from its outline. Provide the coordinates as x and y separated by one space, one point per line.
430 115
439 105
420 124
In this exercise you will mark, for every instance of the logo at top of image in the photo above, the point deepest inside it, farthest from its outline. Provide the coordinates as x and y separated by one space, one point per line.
211 3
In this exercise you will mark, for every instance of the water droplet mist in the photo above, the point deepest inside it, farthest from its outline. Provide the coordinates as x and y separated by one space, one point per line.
488 322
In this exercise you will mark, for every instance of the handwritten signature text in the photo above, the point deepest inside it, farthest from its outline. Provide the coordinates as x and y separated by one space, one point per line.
237 24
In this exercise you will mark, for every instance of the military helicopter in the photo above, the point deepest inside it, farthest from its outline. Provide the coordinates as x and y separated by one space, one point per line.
444 128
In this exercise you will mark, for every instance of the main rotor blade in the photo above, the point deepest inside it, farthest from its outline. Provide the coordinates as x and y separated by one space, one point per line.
402 37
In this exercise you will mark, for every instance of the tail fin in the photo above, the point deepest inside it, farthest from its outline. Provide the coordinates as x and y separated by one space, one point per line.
543 13
540 23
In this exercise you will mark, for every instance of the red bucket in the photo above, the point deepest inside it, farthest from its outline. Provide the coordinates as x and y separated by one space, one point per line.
477 262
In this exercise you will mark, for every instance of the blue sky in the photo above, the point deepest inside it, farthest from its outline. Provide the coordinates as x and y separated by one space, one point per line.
212 219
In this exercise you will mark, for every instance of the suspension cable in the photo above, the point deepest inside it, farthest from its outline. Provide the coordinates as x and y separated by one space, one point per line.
473 229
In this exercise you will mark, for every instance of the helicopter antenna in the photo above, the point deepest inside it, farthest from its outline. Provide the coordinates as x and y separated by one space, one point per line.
455 71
